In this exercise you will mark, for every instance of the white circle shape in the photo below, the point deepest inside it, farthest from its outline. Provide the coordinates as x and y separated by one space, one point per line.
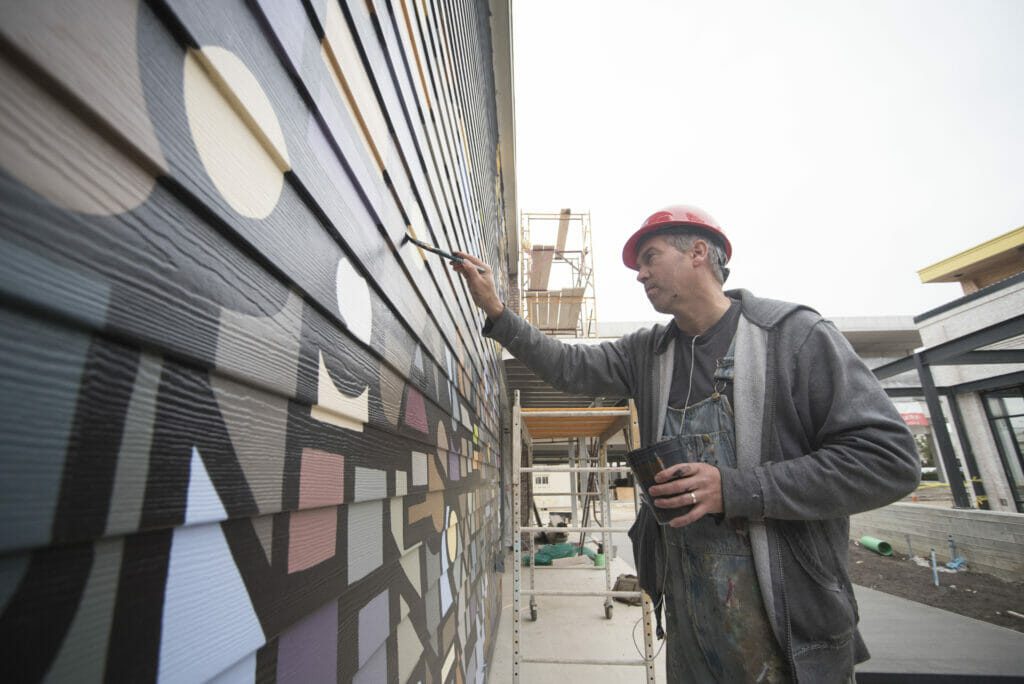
354 302
235 131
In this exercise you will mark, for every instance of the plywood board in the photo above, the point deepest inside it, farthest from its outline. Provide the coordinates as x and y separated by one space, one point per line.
538 305
563 230
540 266
566 423
570 300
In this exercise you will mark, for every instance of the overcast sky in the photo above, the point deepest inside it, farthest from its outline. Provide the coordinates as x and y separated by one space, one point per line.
843 146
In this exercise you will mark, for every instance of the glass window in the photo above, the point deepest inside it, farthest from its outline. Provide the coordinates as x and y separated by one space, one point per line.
996 407
1014 406
1010 435
1017 424
1006 416
1006 402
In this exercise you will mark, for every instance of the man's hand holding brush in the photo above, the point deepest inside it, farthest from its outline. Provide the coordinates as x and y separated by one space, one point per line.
480 280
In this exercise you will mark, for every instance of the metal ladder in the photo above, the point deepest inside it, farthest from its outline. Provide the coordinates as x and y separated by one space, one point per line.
559 423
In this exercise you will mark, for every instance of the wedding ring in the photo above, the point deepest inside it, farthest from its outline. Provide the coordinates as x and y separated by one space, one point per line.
694 497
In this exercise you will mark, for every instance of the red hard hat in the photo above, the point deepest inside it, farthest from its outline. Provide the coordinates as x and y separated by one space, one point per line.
676 215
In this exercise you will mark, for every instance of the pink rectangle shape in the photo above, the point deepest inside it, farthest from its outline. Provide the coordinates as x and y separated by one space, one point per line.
311 537
322 479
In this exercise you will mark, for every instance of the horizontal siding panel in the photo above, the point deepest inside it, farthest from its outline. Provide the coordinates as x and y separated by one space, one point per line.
259 344
403 174
235 427
206 568
191 168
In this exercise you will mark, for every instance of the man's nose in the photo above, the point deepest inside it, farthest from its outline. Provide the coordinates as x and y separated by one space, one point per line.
642 275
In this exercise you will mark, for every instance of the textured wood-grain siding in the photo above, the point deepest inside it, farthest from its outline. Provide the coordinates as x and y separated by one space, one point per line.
248 434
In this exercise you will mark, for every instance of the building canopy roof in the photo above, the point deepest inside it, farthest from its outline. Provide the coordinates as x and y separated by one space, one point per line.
981 265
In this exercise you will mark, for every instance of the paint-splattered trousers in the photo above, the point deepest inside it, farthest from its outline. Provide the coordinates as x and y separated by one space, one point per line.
717 629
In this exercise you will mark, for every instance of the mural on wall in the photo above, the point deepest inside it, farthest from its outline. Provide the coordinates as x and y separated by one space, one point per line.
249 434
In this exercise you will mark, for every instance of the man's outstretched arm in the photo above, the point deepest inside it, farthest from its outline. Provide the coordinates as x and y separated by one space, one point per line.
606 368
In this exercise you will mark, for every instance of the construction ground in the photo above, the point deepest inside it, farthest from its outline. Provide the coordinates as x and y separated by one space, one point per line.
967 629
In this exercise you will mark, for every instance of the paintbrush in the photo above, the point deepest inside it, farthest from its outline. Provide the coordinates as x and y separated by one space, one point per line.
438 251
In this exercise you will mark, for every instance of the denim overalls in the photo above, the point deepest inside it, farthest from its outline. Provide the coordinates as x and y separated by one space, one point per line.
717 627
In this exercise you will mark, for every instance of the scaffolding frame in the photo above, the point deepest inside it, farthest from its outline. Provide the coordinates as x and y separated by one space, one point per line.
569 310
598 424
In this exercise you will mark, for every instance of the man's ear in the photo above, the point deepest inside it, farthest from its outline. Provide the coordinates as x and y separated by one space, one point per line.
700 250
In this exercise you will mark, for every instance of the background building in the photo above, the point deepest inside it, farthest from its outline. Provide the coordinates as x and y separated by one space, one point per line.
973 349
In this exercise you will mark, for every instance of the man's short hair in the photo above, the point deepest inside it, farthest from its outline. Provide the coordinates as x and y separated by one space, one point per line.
682 238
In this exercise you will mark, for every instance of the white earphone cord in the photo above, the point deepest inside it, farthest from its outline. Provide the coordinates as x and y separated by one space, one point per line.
664 574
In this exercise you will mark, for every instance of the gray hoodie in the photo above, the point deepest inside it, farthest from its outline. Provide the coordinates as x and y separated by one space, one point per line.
817 440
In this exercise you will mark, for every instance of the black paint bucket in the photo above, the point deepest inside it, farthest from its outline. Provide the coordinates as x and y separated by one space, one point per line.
651 460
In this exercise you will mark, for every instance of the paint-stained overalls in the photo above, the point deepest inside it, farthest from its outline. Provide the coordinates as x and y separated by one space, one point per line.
717 627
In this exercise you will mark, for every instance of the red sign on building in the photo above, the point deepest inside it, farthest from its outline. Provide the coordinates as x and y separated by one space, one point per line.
915 419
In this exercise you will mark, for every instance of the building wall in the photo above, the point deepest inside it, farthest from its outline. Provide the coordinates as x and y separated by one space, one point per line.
962 320
558 483
247 432
992 542
971 316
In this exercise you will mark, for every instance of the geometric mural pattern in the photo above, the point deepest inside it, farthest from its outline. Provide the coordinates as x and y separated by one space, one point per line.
249 435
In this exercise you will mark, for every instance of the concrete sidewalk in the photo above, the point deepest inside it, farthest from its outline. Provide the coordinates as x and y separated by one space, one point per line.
907 640
905 637
571 627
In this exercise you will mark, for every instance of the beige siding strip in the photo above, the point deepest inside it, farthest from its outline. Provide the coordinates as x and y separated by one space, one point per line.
411 40
354 85
71 161
107 81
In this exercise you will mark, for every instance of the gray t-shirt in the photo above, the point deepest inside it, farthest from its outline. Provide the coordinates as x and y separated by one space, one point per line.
707 349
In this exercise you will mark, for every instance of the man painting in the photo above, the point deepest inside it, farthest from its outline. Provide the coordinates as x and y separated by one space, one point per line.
785 433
